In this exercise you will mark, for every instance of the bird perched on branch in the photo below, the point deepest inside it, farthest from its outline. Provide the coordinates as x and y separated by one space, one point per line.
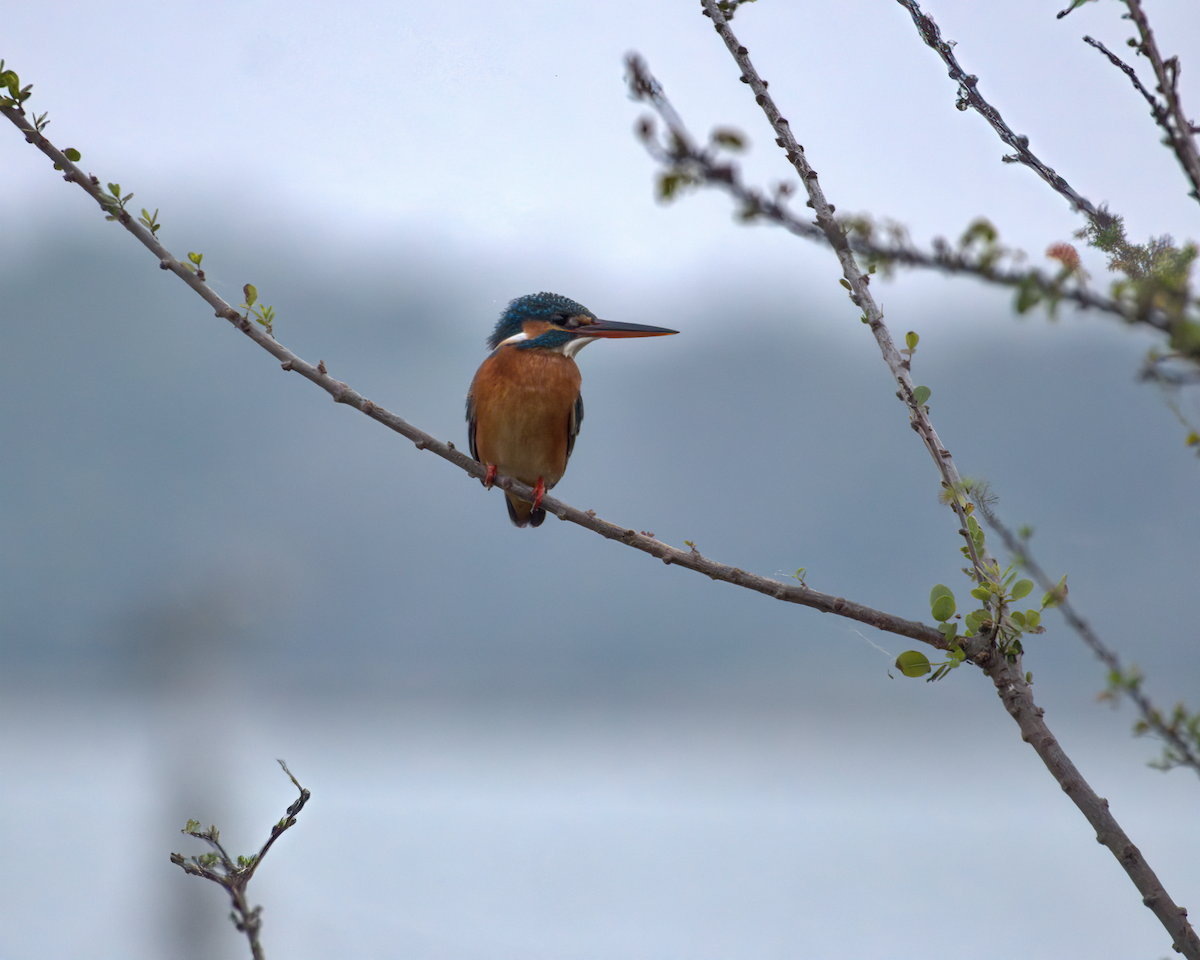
524 407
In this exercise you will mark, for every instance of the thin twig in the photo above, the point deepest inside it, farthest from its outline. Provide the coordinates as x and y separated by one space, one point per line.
970 97
1178 128
1156 108
1019 548
1004 670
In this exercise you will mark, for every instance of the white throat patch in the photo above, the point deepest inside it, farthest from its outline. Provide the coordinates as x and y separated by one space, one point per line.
572 347
568 349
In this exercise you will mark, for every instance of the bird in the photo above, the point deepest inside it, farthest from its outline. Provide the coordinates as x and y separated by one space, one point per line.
524 408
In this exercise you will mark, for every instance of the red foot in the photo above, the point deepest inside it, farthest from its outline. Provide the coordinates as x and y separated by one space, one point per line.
491 476
538 492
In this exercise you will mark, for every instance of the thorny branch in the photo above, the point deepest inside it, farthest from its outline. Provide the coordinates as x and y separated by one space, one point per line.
1184 754
1156 108
1178 128
342 393
1004 671
222 869
969 97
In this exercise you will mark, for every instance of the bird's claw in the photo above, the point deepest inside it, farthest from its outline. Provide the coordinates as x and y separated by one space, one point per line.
538 492
490 478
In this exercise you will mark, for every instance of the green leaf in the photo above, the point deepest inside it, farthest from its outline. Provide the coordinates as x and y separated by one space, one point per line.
844 282
1057 595
942 608
973 619
251 294
72 154
920 395
913 663
949 631
196 258
1018 618
1021 589
982 593
910 339
1033 619
940 590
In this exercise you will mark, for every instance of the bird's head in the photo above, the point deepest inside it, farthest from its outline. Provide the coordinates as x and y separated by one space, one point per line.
549 321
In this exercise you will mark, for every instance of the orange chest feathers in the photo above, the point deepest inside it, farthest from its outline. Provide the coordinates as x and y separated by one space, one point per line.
523 403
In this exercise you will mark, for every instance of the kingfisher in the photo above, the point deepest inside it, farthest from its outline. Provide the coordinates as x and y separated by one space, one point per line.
524 408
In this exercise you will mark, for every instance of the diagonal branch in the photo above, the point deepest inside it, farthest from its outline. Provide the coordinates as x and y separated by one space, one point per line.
854 279
343 393
1176 125
970 97
1156 108
1004 670
1151 716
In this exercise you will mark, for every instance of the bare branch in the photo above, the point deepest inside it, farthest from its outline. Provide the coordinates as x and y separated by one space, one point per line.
1155 107
1179 129
970 98
1123 681
1018 700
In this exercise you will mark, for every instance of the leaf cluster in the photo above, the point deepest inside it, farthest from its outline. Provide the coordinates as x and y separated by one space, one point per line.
996 591
17 95
1156 276
261 314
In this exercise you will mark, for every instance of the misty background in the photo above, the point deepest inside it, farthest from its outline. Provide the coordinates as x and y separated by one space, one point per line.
537 743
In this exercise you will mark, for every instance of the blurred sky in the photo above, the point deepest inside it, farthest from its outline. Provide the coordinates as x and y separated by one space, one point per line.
536 743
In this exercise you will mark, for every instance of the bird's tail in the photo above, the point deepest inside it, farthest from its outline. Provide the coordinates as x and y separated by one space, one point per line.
521 512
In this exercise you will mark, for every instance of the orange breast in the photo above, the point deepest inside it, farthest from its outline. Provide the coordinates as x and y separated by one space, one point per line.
523 402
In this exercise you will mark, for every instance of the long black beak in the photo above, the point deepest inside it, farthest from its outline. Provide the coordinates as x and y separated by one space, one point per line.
607 328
